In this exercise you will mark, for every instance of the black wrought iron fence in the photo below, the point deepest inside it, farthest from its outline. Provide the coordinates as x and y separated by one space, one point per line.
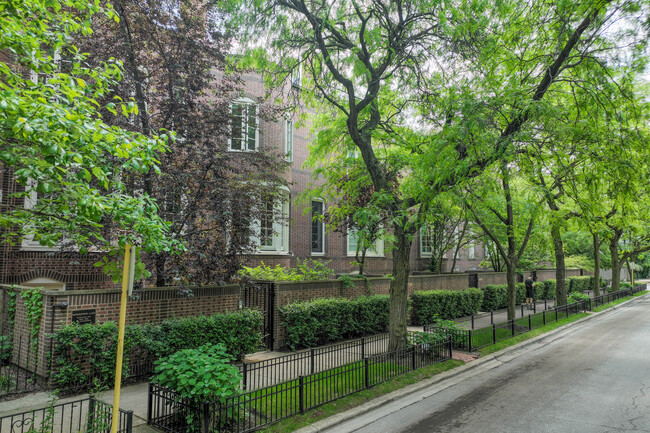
17 367
469 340
87 415
470 321
597 301
269 372
254 409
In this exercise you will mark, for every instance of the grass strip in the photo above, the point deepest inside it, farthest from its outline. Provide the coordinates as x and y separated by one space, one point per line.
530 334
322 387
618 301
356 399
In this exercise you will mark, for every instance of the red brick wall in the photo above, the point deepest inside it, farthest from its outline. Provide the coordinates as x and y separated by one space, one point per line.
549 274
438 282
75 270
149 306
487 278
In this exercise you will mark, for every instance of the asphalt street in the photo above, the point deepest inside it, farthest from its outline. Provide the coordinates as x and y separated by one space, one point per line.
594 377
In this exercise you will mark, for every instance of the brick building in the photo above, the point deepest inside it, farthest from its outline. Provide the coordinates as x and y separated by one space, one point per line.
302 237
298 236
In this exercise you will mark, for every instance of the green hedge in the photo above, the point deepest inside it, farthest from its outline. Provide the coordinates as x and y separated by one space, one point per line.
591 282
323 321
495 296
579 284
239 331
82 353
427 307
548 289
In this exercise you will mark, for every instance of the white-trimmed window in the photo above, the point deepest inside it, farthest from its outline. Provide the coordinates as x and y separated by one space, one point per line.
244 131
28 243
317 228
271 230
377 250
296 76
426 241
471 251
288 140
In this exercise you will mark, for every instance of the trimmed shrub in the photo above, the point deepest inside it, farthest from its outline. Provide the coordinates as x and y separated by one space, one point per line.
92 345
495 296
548 289
239 331
577 296
578 284
445 304
591 282
323 321
87 352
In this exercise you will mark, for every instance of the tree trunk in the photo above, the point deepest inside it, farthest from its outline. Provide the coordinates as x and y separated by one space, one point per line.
161 280
596 264
399 290
511 272
630 270
616 263
560 268
362 262
511 260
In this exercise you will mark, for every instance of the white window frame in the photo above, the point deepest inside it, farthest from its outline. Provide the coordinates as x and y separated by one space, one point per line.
288 139
296 77
245 128
471 251
28 243
471 247
280 237
377 251
321 227
425 241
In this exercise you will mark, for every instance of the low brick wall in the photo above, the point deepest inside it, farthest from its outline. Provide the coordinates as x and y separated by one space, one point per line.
438 282
488 278
151 305
549 274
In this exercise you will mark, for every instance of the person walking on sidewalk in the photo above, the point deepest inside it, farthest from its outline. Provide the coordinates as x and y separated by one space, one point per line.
530 292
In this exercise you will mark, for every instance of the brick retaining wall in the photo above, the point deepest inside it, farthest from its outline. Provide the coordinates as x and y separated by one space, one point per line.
151 305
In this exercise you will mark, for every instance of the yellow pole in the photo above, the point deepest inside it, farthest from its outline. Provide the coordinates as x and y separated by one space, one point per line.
120 340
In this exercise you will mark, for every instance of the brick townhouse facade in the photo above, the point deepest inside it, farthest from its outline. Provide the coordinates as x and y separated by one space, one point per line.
299 236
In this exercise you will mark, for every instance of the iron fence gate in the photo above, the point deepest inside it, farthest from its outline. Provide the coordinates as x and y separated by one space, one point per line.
261 296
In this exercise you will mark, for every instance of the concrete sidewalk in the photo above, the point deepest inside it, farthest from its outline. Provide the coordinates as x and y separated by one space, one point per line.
135 397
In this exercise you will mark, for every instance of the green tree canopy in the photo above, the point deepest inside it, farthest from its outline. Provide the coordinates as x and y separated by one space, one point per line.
69 167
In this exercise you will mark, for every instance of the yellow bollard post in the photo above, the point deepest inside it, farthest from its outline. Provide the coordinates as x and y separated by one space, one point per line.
120 339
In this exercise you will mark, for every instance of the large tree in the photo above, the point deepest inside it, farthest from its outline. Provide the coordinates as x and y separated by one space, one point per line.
594 108
175 71
452 85
66 166
506 211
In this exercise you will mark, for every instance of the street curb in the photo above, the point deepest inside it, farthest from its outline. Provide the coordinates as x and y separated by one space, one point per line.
332 421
